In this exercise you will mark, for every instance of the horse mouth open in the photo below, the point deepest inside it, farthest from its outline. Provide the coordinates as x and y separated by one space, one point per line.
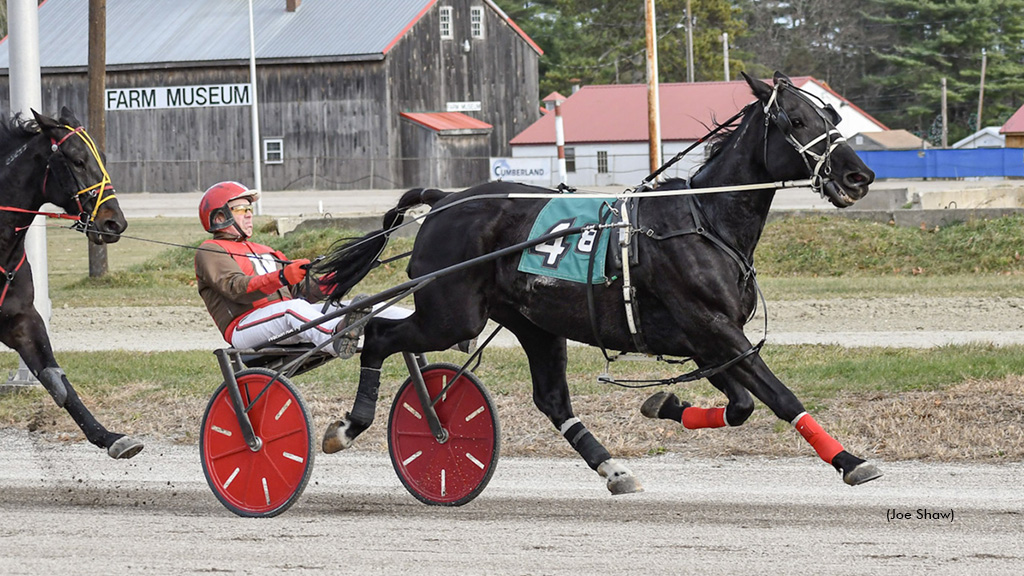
844 196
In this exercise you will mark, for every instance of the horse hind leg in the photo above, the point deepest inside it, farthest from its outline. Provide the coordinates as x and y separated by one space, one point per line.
667 406
547 356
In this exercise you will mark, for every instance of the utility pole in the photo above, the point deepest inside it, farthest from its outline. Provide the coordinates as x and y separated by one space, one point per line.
653 109
945 131
689 43
981 90
97 114
725 53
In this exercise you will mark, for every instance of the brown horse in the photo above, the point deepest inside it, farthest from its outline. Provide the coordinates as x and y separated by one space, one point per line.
53 161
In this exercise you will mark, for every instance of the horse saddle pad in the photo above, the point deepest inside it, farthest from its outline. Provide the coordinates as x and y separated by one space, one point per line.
568 257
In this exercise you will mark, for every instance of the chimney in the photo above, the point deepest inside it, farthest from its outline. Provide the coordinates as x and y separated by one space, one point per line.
292 5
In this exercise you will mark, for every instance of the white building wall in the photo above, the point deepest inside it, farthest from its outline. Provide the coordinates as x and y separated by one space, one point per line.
628 162
853 121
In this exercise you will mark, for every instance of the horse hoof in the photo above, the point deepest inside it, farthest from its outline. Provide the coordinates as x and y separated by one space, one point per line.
861 473
620 479
125 447
653 405
335 437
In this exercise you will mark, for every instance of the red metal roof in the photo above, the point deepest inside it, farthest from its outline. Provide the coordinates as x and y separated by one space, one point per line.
441 121
554 96
618 112
1015 124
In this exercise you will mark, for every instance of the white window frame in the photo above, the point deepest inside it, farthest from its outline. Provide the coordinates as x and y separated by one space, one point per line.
602 161
570 159
273 156
476 22
445 22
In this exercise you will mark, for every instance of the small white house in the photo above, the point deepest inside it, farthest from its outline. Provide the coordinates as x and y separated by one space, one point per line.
606 129
987 137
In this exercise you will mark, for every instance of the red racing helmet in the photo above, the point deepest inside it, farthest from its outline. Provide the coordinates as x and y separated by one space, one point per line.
215 201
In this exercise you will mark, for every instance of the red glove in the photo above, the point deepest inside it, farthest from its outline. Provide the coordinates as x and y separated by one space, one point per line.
293 273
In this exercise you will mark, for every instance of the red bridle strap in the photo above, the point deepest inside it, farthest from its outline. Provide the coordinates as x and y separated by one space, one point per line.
9 277
47 214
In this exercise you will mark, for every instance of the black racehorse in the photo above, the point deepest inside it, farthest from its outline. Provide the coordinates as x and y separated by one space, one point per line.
691 283
53 161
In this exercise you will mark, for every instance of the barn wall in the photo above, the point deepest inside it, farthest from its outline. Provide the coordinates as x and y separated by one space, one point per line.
452 159
500 71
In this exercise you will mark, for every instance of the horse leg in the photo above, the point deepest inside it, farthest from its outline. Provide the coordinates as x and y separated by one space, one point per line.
668 406
28 337
760 380
382 338
546 353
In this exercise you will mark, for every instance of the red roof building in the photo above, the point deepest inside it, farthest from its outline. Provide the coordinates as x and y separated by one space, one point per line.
1013 129
606 128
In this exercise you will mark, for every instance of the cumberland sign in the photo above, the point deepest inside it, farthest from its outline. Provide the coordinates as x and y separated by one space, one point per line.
179 97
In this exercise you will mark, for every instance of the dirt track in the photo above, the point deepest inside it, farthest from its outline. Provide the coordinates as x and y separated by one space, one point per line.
902 322
69 509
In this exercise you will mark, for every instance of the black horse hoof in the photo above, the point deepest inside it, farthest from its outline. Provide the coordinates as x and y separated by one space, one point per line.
124 448
862 473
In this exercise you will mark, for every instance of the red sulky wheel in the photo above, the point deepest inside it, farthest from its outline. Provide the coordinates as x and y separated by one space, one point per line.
268 481
456 471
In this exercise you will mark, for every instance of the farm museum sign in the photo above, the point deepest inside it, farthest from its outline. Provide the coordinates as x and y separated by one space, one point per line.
178 97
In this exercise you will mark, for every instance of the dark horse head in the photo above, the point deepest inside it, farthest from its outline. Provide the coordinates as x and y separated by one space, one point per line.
56 161
816 149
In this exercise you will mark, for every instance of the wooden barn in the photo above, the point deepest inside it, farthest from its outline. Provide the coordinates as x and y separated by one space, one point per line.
351 94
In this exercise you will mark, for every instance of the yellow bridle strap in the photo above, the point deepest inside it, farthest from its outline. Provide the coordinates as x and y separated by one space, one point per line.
104 184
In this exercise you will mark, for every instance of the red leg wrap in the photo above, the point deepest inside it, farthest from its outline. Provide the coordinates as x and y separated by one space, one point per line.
826 446
694 417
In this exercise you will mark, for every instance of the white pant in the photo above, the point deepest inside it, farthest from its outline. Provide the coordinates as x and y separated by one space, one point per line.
262 324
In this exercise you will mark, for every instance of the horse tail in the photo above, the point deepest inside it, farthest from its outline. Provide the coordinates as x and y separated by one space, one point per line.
351 259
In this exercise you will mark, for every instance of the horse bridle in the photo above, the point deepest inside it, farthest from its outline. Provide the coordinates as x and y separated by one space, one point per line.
82 220
98 191
822 169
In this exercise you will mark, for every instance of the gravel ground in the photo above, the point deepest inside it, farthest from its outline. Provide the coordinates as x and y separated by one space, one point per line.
897 322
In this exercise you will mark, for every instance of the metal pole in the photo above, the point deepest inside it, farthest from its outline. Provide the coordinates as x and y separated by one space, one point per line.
945 131
26 95
689 43
653 110
97 115
725 53
560 141
981 91
256 178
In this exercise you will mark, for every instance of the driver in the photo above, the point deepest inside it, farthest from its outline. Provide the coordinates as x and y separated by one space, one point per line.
254 292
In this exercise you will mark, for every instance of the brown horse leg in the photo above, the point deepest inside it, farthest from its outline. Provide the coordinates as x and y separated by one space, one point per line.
35 351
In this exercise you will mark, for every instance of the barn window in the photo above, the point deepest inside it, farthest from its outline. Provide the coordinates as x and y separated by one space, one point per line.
446 22
476 21
273 150
570 159
602 161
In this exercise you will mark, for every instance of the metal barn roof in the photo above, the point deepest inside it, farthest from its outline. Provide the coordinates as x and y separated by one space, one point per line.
143 32
1015 125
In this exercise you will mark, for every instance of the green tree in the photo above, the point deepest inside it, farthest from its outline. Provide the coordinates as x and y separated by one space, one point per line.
935 39
600 42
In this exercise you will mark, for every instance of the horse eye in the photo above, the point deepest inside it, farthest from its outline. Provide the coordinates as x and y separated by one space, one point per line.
79 162
798 123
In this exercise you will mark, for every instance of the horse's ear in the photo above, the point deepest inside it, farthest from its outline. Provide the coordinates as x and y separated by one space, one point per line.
68 117
780 77
45 122
760 89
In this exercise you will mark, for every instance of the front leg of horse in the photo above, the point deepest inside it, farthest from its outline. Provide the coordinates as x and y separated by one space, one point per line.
27 335
619 478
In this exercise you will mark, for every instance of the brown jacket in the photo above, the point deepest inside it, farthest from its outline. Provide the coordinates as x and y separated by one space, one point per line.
237 276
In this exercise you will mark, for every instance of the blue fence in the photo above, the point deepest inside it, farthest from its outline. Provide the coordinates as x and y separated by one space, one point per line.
979 162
